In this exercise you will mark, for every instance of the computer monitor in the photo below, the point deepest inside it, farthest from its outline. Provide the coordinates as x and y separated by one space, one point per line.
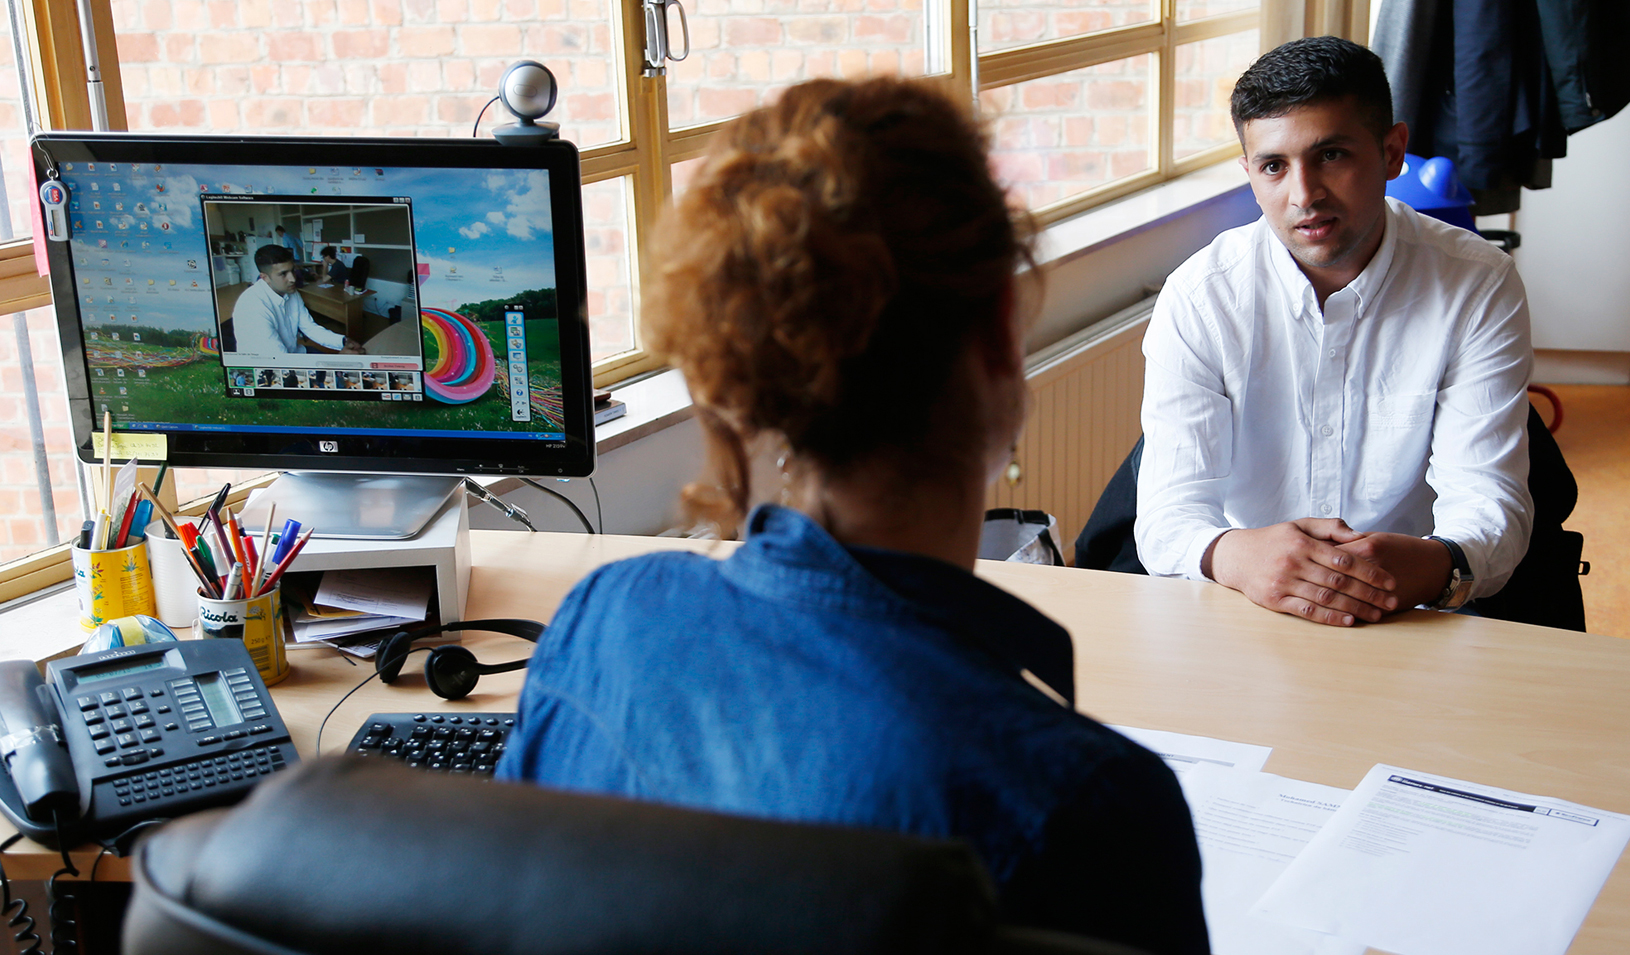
445 333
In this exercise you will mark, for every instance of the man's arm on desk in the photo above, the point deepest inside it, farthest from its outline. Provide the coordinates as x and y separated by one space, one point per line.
1182 529
1319 569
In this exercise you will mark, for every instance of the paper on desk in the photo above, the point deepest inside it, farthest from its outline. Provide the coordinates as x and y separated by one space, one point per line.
1250 826
1183 752
1419 864
308 629
391 595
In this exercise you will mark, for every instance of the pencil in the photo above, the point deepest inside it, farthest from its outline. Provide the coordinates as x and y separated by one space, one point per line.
265 549
186 551
282 565
107 460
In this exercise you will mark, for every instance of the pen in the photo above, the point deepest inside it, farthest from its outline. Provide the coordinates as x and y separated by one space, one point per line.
282 565
285 540
265 549
99 536
85 531
179 532
158 482
230 588
125 522
144 517
235 537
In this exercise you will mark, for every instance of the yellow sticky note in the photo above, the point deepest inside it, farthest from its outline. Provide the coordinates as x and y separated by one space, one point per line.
147 447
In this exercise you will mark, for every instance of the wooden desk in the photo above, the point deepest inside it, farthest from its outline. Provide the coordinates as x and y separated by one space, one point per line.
337 304
1530 709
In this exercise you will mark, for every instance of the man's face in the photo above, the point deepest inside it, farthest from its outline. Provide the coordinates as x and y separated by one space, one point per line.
280 277
1320 177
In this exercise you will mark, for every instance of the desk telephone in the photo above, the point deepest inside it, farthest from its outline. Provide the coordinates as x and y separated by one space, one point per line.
133 734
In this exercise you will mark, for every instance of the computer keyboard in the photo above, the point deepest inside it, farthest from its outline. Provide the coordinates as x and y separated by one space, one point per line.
467 743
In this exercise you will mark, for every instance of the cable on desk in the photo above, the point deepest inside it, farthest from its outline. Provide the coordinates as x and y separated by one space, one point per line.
599 515
564 500
347 696
16 910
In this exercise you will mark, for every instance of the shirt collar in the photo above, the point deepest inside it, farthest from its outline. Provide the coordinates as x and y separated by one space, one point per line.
788 557
1299 291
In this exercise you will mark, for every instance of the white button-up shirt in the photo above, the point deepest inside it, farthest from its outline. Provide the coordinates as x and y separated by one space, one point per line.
1400 407
266 323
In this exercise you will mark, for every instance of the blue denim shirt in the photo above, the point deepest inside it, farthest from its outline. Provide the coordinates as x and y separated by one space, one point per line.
801 680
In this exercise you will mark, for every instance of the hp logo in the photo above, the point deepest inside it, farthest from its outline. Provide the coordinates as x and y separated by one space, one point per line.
329 447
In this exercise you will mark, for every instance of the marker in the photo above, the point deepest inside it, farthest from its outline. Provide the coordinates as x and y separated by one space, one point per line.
285 540
283 564
144 517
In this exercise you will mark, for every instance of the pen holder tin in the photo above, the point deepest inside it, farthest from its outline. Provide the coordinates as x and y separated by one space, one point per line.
112 584
175 586
257 621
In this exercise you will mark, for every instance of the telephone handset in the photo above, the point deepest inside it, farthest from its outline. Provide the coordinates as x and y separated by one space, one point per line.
123 736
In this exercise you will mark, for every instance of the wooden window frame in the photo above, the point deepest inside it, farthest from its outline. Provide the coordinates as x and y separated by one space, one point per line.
644 158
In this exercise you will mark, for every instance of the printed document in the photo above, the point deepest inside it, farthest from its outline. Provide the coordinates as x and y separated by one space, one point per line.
1250 826
1183 752
1418 864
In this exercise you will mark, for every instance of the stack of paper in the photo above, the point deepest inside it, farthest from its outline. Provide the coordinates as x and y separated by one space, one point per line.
351 602
1409 862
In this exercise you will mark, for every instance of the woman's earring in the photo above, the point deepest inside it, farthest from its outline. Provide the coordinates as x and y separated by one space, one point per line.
786 480
1014 473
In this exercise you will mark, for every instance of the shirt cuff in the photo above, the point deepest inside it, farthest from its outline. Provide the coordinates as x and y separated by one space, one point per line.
1197 552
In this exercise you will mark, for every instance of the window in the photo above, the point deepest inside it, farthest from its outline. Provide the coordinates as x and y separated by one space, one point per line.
1089 99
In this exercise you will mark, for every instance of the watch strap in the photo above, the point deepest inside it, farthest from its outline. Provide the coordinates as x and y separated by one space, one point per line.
1455 595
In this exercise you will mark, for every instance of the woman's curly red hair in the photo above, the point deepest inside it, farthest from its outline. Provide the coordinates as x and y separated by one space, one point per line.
834 253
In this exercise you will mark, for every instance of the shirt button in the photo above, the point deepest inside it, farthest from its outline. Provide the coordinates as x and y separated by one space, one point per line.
1325 508
1327 430
1332 353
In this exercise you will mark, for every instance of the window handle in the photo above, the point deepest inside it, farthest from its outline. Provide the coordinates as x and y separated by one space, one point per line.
657 48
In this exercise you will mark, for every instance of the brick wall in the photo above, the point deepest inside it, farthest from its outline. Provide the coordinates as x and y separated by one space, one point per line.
426 67
384 68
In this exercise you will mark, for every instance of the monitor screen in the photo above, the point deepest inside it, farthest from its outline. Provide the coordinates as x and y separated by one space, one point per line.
407 306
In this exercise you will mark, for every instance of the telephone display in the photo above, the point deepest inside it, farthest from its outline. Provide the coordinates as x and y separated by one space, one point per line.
133 734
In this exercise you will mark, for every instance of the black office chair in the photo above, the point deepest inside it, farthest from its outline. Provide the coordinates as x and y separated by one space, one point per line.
1544 589
348 855
1106 543
360 270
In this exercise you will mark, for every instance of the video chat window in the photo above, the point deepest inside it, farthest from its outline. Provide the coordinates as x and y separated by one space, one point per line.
331 311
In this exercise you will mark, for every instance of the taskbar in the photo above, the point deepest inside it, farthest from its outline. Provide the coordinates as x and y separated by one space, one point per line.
344 432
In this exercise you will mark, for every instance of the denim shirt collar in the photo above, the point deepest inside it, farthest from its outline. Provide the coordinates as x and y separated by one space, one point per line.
788 557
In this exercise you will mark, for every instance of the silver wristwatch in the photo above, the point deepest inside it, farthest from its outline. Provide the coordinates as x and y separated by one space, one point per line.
1459 590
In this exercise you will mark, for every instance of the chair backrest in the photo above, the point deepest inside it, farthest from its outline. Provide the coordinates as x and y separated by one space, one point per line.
1106 542
360 268
1544 589
348 855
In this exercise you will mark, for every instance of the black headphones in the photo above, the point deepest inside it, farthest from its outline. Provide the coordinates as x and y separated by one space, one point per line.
452 671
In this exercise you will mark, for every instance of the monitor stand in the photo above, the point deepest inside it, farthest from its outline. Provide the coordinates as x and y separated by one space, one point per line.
356 506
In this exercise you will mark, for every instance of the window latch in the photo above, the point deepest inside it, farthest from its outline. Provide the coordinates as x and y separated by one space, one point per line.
658 51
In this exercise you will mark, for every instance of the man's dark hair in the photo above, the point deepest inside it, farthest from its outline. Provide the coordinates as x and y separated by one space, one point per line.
328 253
1313 69
280 228
269 255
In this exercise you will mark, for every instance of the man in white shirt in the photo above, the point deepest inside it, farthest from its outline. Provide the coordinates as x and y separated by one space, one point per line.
1334 405
270 317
